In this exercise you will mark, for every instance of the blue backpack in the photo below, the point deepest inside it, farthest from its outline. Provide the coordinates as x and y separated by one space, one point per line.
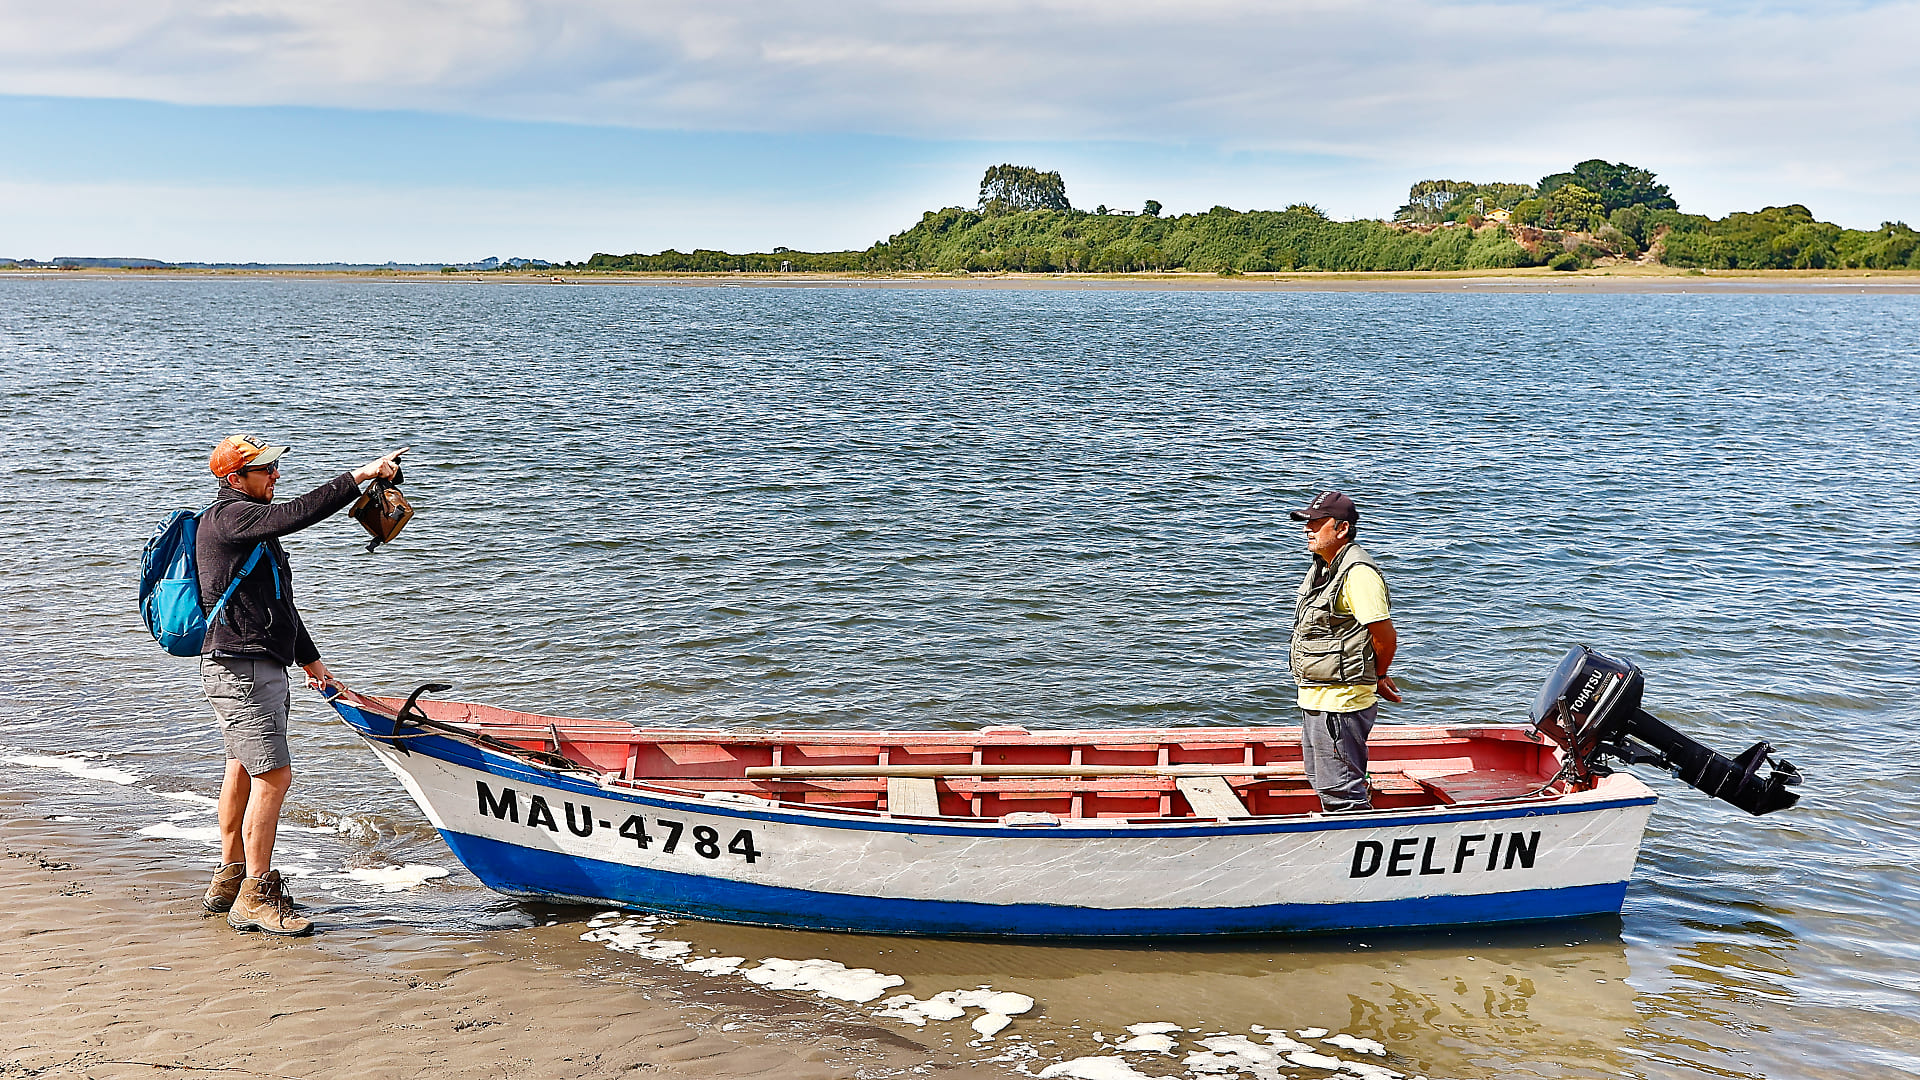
170 585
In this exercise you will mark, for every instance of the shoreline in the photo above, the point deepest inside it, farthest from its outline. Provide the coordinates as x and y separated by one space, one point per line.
1623 279
113 970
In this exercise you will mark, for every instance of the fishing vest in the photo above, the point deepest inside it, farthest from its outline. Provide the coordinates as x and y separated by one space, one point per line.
1330 649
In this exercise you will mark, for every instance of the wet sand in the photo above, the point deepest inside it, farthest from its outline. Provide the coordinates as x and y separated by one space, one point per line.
112 970
1623 278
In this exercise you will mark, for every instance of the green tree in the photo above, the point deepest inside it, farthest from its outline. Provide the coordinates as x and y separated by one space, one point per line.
1152 209
1636 222
1012 188
1498 196
1575 208
1428 199
1617 185
1433 201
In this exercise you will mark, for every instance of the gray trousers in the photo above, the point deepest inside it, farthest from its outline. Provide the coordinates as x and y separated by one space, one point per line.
1334 746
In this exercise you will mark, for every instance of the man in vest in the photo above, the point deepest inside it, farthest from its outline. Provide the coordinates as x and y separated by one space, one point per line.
244 668
1343 640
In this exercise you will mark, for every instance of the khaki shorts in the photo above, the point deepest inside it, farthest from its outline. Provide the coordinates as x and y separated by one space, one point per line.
250 699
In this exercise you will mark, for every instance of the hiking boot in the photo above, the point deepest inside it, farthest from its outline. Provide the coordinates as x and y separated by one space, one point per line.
226 886
263 905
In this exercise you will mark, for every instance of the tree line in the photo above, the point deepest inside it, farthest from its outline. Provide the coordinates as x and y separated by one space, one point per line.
1024 222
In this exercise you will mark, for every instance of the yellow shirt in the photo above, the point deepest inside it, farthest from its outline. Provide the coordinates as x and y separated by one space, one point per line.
1364 596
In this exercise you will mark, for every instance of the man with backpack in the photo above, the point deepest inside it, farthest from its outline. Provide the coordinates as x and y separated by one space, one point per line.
248 647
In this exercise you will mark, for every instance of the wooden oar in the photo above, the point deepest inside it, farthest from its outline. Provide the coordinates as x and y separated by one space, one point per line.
768 772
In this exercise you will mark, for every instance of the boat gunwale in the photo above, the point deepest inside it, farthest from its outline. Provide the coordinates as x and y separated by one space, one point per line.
581 780
617 731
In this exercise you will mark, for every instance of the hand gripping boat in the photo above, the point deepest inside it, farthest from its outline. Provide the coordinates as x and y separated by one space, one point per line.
1013 833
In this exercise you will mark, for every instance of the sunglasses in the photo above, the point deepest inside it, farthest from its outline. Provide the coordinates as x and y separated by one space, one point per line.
271 467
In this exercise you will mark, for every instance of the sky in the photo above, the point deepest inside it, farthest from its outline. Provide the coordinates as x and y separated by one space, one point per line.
451 130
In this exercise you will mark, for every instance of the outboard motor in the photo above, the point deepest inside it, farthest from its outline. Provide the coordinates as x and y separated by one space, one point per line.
1591 707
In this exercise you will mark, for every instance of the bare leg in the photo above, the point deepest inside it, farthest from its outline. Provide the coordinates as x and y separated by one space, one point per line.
263 817
233 810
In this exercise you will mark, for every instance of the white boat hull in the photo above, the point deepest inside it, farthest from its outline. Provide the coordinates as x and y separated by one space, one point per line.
538 833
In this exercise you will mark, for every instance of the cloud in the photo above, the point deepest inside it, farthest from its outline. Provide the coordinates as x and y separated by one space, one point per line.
1732 103
1366 77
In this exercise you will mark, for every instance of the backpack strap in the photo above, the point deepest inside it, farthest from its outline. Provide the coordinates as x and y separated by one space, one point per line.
234 585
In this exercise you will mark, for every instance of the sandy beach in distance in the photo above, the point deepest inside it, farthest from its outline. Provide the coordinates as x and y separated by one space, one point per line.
112 970
1622 278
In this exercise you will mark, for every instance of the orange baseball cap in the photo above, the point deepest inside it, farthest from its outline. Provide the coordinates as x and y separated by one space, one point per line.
237 452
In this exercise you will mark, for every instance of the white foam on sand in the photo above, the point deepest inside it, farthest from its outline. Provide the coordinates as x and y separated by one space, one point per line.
206 834
650 947
1369 1071
397 878
714 965
1239 1054
826 978
634 934
193 797
1309 1059
1279 1039
356 828
1012 1053
345 826
987 1025
74 766
911 1010
1150 1038
1356 1044
1232 1053
997 1008
1097 1068
1224 1053
823 977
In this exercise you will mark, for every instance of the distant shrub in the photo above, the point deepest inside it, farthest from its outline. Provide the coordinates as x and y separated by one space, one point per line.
1786 238
1615 241
1300 237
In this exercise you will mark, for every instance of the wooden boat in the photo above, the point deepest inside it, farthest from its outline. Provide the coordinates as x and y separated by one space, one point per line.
1009 832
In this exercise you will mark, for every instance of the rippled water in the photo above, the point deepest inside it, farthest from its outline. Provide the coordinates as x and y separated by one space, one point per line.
793 507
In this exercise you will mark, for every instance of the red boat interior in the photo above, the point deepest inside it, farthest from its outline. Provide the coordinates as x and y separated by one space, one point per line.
924 774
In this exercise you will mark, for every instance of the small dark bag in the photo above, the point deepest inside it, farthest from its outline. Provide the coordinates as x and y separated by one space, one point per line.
382 510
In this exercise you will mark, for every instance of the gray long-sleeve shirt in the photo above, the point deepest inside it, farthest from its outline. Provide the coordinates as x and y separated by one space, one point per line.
257 623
